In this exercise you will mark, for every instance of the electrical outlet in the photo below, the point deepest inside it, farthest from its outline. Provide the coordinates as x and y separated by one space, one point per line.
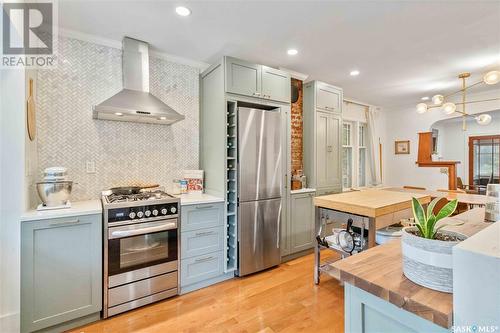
90 166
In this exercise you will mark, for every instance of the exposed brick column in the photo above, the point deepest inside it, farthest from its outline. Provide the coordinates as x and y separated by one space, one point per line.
297 129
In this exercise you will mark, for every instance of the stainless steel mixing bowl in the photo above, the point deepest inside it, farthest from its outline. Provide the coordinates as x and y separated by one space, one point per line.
54 193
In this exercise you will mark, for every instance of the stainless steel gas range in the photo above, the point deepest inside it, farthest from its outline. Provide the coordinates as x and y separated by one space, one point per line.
140 249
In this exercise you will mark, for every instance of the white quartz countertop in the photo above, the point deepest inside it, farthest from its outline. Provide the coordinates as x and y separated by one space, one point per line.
198 198
303 190
78 208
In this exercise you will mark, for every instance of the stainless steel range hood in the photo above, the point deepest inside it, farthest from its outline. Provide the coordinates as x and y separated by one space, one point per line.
135 103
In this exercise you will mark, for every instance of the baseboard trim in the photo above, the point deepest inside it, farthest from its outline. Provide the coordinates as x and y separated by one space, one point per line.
206 283
296 255
10 323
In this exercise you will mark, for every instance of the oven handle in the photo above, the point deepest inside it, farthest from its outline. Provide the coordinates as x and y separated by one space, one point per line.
141 231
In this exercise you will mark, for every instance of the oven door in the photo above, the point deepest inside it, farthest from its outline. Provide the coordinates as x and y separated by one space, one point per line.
140 245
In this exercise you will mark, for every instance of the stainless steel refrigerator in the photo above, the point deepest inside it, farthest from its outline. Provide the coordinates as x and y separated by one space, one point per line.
259 189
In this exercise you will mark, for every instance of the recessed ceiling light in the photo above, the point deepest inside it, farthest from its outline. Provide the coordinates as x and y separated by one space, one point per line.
119 113
163 118
425 98
292 52
354 73
183 11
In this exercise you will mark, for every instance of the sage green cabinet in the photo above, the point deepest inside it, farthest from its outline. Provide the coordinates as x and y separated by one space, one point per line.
297 233
246 78
275 84
328 136
328 98
61 271
301 222
243 77
322 137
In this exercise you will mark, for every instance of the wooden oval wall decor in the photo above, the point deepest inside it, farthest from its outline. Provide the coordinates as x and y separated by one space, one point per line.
30 113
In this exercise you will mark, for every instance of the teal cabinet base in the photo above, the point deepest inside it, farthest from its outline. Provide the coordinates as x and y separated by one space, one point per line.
72 324
206 283
366 313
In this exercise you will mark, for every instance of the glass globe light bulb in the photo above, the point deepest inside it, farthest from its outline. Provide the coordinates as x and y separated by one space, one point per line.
449 108
421 108
492 77
483 119
437 99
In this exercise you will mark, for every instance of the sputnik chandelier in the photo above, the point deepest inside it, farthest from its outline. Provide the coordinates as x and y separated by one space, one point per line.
441 101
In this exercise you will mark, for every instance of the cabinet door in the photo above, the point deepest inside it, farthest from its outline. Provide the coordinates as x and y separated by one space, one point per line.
302 222
243 77
328 98
275 84
201 216
322 143
61 270
333 170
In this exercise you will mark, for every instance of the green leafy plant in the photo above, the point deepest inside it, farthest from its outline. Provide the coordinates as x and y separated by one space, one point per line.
426 222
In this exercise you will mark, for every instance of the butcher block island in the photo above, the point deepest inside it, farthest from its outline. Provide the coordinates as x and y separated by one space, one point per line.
370 210
379 298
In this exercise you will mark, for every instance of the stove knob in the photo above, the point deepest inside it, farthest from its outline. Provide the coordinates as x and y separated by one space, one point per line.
155 212
131 215
164 211
140 214
147 213
173 210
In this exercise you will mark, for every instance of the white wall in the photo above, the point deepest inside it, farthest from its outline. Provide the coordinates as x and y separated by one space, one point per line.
453 142
405 124
12 193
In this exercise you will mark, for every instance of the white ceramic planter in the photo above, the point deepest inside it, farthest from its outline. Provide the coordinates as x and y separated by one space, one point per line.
428 262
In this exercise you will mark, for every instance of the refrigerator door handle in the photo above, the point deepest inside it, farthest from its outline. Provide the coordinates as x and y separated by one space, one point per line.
278 229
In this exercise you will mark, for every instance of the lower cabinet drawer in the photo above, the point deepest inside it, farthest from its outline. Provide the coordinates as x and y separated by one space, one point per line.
197 269
199 242
195 217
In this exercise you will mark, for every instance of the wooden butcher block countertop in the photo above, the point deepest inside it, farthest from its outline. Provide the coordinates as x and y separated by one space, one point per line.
371 203
379 271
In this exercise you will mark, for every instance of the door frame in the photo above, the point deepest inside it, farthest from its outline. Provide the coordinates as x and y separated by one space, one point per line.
471 153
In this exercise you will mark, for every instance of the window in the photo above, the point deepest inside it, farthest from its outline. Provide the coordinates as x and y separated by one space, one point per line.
362 155
354 154
484 161
347 155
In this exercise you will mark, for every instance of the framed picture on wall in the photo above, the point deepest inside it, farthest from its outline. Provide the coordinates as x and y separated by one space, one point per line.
402 147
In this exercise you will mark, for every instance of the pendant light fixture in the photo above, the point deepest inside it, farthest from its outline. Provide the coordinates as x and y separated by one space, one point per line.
440 101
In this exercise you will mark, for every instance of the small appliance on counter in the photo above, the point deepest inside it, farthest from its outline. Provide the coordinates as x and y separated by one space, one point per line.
55 189
194 179
140 247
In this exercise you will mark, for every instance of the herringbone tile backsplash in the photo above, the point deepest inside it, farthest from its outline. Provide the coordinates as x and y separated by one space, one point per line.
123 152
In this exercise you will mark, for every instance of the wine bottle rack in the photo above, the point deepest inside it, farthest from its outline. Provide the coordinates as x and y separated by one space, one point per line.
231 231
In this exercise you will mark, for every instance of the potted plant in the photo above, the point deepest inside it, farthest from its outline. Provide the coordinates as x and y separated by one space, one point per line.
427 248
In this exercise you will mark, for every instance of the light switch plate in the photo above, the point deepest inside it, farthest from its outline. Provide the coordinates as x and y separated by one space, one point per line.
90 166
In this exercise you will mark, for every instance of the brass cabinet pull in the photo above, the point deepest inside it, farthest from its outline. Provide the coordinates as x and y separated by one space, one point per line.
204 259
65 222
204 207
206 233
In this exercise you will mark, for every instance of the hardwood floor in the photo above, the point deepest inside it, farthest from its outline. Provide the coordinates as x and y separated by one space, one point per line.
282 299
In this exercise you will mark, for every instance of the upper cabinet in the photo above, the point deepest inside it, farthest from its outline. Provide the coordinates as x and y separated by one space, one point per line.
328 98
275 84
245 78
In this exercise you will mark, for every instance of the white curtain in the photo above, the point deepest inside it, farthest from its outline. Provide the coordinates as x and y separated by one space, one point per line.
374 140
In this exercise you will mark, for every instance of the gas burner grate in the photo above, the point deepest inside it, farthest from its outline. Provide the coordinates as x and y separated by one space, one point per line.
149 195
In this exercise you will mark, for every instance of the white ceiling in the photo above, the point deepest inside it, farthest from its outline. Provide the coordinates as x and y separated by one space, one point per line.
404 49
